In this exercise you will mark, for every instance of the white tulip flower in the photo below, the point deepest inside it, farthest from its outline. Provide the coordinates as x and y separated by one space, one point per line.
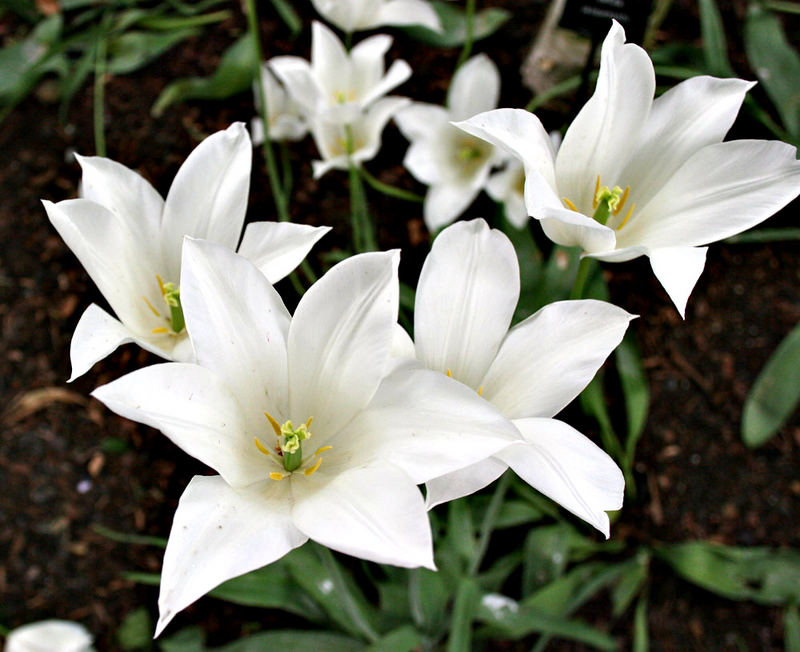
286 118
466 297
338 86
507 187
453 164
129 241
49 636
310 439
638 177
356 15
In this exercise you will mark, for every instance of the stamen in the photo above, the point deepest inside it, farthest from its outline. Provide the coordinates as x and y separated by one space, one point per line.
275 425
480 390
322 449
622 200
449 374
314 468
261 446
570 205
150 305
596 188
161 285
160 330
308 423
276 476
627 217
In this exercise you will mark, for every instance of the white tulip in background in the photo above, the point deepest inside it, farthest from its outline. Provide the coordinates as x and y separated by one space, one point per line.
351 486
356 15
454 165
638 177
49 636
129 241
286 118
507 187
466 297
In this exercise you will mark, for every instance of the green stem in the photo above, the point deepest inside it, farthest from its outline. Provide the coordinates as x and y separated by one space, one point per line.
99 99
390 191
470 19
489 520
363 237
580 278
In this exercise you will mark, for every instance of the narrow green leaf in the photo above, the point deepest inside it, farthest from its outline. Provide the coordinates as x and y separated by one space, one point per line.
493 578
72 83
791 629
402 639
135 49
294 640
168 23
715 47
454 25
464 609
188 639
428 595
776 64
289 16
136 630
23 63
545 556
641 632
461 532
635 389
775 394
558 596
148 579
126 537
765 235
630 583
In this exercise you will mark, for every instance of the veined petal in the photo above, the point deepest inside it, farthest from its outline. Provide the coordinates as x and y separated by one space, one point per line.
425 423
570 228
276 248
568 468
547 359
239 326
408 12
219 533
695 113
475 88
521 134
466 296
123 191
444 202
373 512
194 408
598 140
721 190
340 338
677 269
464 482
421 120
208 198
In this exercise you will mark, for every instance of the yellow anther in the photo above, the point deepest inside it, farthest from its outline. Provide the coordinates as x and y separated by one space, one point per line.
480 390
308 423
161 285
150 305
322 449
313 469
596 189
622 200
159 331
276 476
261 446
627 217
570 205
275 425
449 373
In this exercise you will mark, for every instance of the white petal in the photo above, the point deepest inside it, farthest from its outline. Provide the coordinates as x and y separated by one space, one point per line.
466 296
219 533
408 12
426 424
373 512
340 338
402 344
49 636
238 325
208 198
720 191
194 408
689 116
598 140
549 358
330 64
677 269
427 161
124 192
569 228
398 72
421 120
276 248
445 202
475 88
298 78
368 129
506 187
464 482
568 468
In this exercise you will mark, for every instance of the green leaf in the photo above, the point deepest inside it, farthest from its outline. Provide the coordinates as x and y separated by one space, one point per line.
766 235
23 63
630 583
133 50
234 75
289 16
558 596
294 640
775 394
545 556
454 25
791 629
460 529
493 578
641 633
402 639
136 630
428 595
126 537
188 639
464 610
776 64
635 390
764 575
715 48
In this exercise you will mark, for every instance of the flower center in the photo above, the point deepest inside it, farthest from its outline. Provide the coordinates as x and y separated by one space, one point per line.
607 202
172 298
342 97
470 154
289 447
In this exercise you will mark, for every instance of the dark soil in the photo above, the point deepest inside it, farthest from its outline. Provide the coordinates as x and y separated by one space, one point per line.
66 463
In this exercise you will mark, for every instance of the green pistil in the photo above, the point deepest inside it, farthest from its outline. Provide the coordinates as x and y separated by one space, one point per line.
469 153
606 201
172 296
291 446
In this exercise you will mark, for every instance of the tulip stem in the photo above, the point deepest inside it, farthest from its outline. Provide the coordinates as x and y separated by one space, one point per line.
469 20
390 191
580 278
489 520
363 236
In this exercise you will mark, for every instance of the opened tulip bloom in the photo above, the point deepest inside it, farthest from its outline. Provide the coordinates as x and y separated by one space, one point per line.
356 15
309 438
129 240
466 297
638 177
286 118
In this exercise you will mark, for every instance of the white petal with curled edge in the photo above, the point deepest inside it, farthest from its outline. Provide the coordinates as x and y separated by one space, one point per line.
475 88
408 12
598 140
49 636
194 408
238 325
340 338
426 424
463 482
375 513
466 295
569 228
208 198
276 248
677 269
219 533
568 468
547 359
